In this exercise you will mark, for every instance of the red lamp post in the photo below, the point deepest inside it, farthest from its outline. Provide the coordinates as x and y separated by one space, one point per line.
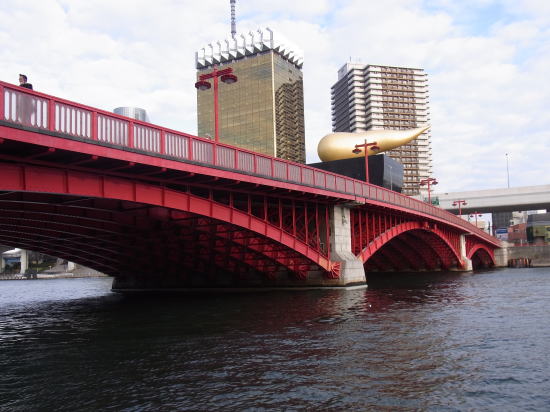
430 181
227 77
476 214
373 146
459 203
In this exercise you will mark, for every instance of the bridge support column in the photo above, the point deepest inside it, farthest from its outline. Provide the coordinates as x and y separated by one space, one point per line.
2 265
501 257
24 261
352 270
467 262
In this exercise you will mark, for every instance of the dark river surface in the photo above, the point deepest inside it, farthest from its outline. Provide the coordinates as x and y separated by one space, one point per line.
441 342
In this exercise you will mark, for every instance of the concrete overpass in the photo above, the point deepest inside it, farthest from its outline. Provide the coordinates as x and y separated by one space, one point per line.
498 200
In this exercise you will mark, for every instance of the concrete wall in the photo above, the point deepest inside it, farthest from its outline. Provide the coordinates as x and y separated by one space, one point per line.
539 255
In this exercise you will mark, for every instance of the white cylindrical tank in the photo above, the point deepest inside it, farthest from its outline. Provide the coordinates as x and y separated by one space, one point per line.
133 112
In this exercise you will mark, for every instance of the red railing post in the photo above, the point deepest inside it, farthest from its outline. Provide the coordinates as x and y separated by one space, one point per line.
306 224
190 151
287 172
327 231
318 233
2 99
51 115
162 144
95 127
236 159
214 154
130 134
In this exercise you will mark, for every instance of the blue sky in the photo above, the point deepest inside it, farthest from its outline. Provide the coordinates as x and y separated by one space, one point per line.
487 62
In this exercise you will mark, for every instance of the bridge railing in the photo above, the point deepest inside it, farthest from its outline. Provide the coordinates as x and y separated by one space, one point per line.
40 111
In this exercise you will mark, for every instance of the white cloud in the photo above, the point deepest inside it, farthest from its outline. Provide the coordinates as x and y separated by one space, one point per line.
487 78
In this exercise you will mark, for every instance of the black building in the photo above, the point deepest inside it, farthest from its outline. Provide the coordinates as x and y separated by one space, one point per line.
383 170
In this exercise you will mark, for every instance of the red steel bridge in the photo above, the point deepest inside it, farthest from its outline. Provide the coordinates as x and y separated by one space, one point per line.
157 208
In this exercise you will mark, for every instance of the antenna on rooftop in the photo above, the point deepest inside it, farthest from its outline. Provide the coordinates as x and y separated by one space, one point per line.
233 23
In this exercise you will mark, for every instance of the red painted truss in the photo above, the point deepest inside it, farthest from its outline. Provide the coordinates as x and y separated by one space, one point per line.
388 240
481 254
125 227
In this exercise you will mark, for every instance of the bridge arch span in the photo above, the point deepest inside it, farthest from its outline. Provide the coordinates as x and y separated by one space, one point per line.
103 221
412 245
481 255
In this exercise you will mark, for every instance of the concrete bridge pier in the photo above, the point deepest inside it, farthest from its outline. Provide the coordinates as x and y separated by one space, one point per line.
501 257
24 260
467 265
352 270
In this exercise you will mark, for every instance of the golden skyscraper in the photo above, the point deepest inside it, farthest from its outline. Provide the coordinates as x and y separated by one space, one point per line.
264 110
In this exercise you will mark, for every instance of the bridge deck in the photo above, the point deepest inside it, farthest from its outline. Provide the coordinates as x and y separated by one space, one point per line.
86 135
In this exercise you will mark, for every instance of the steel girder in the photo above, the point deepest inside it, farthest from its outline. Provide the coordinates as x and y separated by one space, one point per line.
102 222
201 238
482 259
404 241
479 252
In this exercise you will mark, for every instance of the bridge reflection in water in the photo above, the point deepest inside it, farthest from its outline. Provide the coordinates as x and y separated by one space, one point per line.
159 209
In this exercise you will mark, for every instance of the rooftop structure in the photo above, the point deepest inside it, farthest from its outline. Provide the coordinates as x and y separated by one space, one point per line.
244 45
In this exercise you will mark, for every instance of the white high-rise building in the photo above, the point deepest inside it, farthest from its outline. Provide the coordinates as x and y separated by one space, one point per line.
368 97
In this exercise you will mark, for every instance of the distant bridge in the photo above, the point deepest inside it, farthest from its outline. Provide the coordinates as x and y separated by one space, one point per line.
157 208
511 199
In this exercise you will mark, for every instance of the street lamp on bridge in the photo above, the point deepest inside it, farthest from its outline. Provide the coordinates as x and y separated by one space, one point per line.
227 77
430 181
459 203
374 147
476 215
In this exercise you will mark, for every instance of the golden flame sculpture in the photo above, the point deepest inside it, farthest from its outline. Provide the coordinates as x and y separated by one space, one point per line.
336 146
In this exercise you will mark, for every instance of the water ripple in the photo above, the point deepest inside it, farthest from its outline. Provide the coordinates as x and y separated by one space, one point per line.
410 342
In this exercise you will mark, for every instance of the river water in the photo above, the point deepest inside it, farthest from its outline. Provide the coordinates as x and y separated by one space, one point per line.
443 341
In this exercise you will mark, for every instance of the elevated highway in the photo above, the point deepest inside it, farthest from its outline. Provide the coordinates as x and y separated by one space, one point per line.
512 199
